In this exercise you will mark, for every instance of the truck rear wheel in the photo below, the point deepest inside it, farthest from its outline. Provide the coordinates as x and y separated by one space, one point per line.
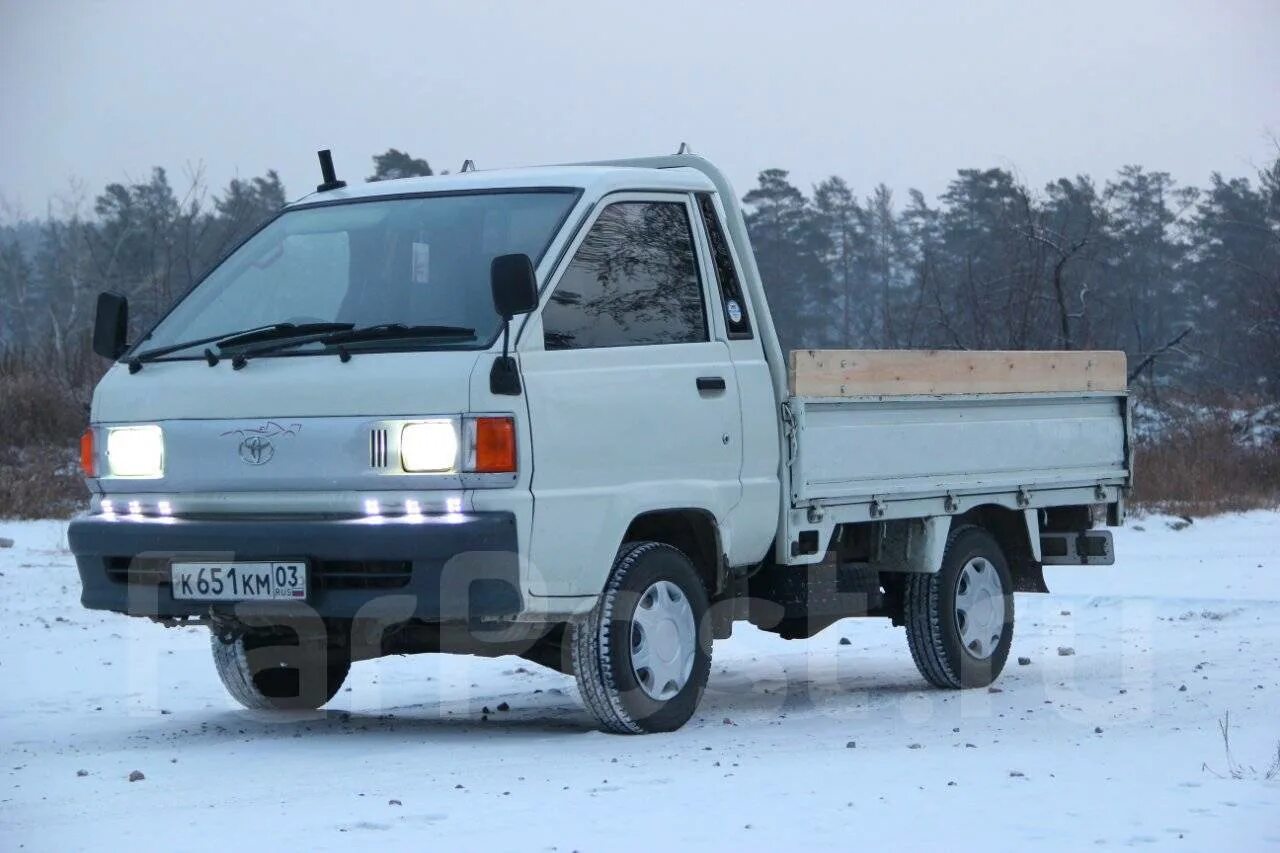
643 655
960 619
278 672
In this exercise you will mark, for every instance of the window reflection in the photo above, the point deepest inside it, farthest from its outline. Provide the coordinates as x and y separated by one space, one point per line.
633 281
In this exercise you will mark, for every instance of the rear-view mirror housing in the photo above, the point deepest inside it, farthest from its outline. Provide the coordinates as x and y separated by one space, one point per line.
515 285
111 325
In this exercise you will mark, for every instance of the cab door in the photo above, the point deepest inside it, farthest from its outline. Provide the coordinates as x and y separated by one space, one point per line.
633 401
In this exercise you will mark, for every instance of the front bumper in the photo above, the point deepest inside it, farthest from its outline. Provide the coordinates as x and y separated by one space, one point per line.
445 568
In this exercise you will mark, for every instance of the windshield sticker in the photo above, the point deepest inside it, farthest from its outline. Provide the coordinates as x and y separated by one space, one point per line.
421 263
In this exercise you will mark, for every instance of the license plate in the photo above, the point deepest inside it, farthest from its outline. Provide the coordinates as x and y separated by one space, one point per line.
239 581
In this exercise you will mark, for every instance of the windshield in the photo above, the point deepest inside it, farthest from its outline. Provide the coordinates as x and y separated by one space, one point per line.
421 261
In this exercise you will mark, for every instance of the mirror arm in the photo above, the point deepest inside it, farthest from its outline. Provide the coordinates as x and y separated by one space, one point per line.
504 378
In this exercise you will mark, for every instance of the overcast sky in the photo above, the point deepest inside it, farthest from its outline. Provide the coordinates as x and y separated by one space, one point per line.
900 92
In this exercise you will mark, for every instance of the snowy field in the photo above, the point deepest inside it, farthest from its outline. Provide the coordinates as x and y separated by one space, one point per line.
798 745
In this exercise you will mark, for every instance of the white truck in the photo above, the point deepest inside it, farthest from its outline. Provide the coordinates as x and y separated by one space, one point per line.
544 412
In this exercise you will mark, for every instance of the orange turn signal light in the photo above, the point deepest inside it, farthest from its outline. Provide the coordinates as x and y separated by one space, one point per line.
88 462
495 446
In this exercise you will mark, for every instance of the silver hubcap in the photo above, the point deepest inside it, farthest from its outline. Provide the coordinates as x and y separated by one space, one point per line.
663 640
979 607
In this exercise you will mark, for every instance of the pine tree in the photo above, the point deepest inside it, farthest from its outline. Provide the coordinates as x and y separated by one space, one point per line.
922 250
790 247
1146 271
1069 230
989 274
843 221
888 251
1236 279
242 208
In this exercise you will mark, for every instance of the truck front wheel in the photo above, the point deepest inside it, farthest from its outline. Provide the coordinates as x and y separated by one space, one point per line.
960 619
643 655
277 671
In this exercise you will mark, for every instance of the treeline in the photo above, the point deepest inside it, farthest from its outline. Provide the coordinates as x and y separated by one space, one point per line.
141 239
149 240
1185 280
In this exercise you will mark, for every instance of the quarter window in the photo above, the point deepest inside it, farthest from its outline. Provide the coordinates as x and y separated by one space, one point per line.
633 281
735 307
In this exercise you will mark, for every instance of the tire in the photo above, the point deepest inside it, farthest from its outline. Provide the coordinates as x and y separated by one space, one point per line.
954 645
276 672
629 665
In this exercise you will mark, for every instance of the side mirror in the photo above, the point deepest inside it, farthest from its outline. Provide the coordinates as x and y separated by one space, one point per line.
111 325
515 291
515 286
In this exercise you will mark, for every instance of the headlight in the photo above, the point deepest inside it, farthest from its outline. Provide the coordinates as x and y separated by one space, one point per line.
135 451
429 447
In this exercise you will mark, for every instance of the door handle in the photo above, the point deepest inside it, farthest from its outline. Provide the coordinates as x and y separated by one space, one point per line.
711 383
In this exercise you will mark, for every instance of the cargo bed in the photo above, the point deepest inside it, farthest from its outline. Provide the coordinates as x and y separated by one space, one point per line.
909 434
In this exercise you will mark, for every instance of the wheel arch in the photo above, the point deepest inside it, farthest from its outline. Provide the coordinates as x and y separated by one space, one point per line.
1012 530
694 531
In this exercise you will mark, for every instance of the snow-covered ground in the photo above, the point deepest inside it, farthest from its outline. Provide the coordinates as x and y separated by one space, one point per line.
806 744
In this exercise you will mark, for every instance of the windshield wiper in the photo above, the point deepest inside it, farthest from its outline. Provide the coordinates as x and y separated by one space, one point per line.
282 330
239 338
367 334
399 331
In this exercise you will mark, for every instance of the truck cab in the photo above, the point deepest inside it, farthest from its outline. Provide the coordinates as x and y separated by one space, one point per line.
535 411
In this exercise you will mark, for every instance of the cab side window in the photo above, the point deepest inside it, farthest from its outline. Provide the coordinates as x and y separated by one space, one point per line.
633 281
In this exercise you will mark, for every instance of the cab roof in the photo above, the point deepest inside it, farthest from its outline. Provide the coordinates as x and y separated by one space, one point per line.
594 180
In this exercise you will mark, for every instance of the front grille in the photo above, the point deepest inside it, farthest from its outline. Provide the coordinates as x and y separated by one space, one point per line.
324 574
378 448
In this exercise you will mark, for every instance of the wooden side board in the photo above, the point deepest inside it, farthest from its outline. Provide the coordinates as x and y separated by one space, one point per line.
850 373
